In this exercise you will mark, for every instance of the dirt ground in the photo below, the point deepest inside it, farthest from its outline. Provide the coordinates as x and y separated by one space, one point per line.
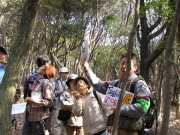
174 125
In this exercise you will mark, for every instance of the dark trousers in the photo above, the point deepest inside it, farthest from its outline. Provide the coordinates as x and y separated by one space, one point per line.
33 128
101 133
27 129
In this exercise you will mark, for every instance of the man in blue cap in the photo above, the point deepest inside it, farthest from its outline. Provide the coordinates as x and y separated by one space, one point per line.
3 61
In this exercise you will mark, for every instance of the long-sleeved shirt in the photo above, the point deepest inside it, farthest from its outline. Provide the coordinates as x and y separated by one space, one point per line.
93 111
41 112
59 85
141 91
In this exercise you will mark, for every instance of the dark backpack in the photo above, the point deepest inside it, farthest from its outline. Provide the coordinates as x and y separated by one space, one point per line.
151 114
28 84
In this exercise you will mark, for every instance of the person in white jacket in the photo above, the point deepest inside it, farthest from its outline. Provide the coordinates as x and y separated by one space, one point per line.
88 104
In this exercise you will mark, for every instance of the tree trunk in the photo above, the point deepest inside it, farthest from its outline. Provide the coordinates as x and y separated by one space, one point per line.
144 71
130 48
18 51
177 105
168 71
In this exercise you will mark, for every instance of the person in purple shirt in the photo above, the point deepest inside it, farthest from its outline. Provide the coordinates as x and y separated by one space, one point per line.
3 61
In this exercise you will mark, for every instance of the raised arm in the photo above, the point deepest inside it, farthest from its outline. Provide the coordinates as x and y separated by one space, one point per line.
98 85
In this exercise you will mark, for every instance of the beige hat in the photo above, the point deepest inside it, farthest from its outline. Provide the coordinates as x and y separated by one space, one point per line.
70 78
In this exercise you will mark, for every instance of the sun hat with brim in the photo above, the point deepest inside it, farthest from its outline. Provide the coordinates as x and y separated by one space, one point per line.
3 50
70 77
81 78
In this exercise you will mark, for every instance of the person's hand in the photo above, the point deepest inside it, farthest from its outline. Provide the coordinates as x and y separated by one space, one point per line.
77 95
60 92
113 109
29 100
110 129
85 64
41 102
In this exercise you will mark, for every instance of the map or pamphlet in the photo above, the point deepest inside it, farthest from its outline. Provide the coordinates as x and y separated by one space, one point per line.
36 96
65 99
85 49
18 108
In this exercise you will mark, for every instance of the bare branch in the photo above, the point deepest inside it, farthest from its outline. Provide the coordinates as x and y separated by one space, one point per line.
138 35
157 32
158 51
128 14
152 27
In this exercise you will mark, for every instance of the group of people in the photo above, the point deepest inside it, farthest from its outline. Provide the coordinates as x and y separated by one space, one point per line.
89 116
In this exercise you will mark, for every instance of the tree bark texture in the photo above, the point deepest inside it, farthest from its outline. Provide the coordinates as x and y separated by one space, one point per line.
168 71
146 58
144 71
130 48
13 72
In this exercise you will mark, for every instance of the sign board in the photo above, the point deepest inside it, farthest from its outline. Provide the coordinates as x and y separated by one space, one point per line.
112 96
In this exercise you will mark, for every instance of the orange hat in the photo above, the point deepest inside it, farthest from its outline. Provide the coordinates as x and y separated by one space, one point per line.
50 71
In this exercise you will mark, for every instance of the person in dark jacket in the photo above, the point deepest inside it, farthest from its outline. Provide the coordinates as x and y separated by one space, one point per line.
129 112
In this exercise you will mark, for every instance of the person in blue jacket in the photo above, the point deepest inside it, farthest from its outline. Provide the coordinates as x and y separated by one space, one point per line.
3 61
130 120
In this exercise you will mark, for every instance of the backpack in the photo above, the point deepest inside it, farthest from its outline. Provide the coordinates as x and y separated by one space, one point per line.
28 84
151 115
53 106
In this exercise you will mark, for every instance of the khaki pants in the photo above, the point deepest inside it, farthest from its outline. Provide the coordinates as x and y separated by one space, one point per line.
58 128
72 130
126 132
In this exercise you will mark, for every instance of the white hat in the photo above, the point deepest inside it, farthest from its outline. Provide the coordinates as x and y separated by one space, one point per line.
72 76
64 69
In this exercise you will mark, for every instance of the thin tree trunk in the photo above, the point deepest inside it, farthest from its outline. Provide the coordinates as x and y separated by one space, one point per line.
168 70
130 48
18 51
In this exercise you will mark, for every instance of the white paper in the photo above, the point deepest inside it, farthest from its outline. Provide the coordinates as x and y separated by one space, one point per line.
107 133
18 108
85 49
36 96
112 96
